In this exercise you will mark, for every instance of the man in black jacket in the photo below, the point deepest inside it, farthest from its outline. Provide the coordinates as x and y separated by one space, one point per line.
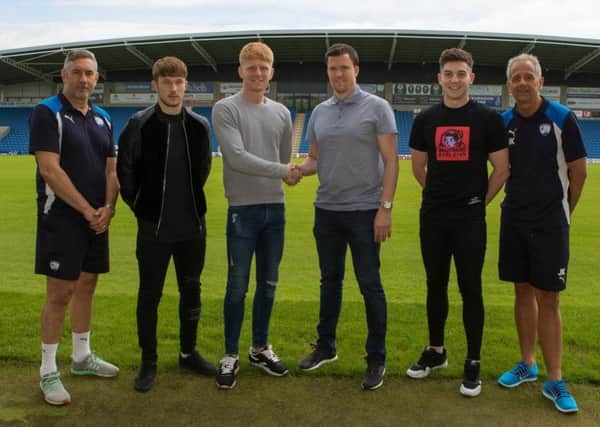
163 163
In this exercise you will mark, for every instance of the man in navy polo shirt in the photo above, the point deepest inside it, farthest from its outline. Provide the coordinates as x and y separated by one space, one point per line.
352 139
548 170
77 188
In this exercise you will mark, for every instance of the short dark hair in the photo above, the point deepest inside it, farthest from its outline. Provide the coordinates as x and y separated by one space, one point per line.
169 66
340 49
75 54
456 54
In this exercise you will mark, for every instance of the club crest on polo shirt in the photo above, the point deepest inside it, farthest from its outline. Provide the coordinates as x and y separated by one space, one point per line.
545 129
452 143
54 265
512 134
99 121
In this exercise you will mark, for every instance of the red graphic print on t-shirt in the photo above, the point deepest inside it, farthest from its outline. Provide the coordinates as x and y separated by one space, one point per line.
452 143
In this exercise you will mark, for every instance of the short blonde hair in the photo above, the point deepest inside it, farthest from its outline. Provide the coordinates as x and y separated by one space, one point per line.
256 50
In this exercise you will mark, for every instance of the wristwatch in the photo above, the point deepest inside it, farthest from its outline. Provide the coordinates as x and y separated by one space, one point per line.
386 204
111 208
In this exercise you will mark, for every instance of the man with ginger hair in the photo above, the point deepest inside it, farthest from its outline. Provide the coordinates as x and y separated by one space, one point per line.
255 135
164 161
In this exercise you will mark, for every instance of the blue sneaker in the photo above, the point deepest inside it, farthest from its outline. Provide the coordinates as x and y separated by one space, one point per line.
518 375
557 392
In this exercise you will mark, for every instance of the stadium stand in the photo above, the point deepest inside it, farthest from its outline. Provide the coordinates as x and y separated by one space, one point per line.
17 140
304 144
404 120
591 135
119 117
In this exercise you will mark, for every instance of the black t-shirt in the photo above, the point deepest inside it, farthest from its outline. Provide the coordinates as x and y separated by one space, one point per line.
457 142
178 220
83 143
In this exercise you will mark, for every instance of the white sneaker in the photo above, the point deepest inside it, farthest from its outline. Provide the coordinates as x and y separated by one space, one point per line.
53 389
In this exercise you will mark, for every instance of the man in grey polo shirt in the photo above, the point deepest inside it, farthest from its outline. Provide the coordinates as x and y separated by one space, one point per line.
352 140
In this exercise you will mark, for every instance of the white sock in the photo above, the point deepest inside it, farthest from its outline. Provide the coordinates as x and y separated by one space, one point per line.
48 359
81 346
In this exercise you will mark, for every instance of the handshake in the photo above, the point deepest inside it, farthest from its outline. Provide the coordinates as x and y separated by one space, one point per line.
294 174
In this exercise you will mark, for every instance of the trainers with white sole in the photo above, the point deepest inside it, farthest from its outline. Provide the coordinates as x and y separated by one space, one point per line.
94 365
53 389
268 360
429 360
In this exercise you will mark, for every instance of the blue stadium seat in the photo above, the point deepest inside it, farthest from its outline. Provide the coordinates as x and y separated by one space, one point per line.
17 140
17 118
119 117
590 130
303 149
404 120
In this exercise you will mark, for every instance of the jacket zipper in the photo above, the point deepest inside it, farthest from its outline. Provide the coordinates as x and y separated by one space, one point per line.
187 147
137 196
162 202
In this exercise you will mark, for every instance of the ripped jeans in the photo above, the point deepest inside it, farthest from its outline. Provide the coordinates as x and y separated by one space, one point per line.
253 229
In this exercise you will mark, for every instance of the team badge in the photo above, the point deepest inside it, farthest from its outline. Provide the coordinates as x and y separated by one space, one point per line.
54 265
99 121
512 134
545 129
452 143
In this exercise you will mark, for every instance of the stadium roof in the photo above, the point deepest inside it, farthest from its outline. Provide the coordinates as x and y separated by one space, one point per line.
567 56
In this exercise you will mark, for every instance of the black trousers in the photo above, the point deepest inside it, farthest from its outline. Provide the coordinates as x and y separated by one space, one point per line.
153 259
465 240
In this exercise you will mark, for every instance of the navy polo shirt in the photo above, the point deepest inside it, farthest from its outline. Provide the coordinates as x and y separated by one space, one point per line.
540 147
83 144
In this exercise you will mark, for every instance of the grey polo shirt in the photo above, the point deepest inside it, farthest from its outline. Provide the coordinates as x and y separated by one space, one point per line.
349 164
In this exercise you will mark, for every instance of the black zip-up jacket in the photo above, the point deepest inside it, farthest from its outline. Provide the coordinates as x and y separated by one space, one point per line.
143 150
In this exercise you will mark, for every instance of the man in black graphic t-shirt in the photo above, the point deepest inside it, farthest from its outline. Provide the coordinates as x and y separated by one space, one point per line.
451 144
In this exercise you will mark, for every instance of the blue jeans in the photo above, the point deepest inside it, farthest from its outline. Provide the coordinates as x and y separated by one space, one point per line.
334 231
253 229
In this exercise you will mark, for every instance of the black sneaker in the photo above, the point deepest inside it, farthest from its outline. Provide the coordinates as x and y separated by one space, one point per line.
373 376
316 359
145 377
471 385
196 363
227 372
430 360
268 360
